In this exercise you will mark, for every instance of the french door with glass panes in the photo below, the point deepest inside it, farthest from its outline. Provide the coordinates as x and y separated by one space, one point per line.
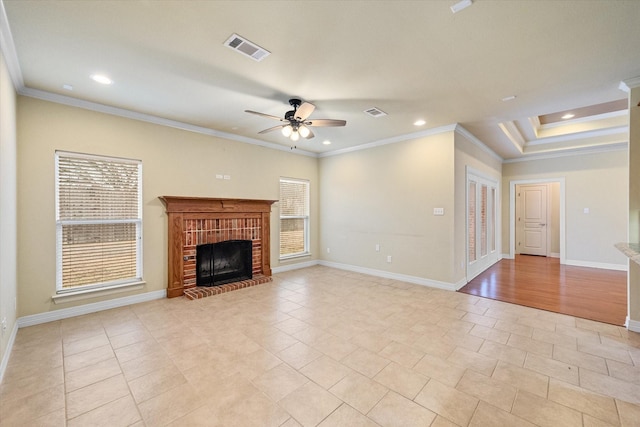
482 223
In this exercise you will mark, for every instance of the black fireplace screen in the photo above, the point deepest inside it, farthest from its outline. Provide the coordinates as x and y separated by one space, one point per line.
223 262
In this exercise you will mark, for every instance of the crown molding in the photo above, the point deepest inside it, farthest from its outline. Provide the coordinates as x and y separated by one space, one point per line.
464 132
580 135
627 85
569 152
513 133
392 140
8 48
121 112
455 127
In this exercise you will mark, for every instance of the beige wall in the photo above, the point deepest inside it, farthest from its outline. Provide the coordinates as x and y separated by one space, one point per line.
597 181
386 195
174 162
8 217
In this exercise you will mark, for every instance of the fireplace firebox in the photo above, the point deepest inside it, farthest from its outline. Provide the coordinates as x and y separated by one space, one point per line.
223 262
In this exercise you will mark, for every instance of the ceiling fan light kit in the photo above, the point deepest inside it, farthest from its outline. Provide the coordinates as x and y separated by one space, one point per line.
297 122
304 131
287 131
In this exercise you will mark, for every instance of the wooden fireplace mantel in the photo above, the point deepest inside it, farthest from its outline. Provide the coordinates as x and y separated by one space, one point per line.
181 209
207 204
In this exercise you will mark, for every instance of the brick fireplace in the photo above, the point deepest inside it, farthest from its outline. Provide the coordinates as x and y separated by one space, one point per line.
198 220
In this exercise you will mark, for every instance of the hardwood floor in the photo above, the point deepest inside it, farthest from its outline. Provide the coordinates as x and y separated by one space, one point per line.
544 283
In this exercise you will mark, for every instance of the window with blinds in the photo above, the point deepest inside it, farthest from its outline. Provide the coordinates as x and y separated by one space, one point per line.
98 221
294 217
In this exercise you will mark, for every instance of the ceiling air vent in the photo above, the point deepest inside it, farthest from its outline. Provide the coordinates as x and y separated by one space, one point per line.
375 112
245 47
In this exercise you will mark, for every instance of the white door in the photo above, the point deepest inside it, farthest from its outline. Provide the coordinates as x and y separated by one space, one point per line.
482 199
532 219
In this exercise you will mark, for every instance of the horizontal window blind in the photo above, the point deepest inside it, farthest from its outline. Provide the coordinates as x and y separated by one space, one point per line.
294 217
99 220
294 200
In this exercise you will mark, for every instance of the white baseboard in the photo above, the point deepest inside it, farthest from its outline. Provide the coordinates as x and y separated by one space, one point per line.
591 264
554 255
632 325
64 313
507 256
373 272
460 283
7 353
296 266
394 276
50 316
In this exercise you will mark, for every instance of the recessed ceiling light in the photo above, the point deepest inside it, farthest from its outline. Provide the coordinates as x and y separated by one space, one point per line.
568 116
419 122
326 142
509 98
461 5
102 79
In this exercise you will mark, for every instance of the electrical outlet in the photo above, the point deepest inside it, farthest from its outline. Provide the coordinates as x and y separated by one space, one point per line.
389 258
227 177
328 250
377 247
4 324
219 176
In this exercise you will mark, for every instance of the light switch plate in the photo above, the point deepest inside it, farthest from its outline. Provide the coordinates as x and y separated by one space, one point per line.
438 211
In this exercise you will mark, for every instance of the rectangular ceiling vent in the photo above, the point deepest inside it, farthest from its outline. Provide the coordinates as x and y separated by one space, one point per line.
245 47
375 112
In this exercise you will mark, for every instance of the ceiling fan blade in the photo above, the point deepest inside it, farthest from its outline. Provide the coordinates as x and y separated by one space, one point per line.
311 135
325 122
269 116
304 111
272 129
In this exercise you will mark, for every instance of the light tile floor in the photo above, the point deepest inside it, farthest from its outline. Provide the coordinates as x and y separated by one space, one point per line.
324 347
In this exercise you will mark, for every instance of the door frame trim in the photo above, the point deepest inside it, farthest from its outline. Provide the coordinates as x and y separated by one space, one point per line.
512 213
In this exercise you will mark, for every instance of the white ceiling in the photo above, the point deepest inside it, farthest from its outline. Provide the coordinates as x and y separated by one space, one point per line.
412 59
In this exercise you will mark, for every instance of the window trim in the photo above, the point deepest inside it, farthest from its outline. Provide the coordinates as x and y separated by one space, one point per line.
101 286
307 235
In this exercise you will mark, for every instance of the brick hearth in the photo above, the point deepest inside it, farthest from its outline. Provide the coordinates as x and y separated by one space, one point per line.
207 291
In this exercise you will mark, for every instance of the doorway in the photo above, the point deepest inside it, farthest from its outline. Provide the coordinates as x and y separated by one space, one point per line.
553 232
537 219
482 223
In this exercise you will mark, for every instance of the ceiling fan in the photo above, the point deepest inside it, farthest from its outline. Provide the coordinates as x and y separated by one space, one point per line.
297 122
